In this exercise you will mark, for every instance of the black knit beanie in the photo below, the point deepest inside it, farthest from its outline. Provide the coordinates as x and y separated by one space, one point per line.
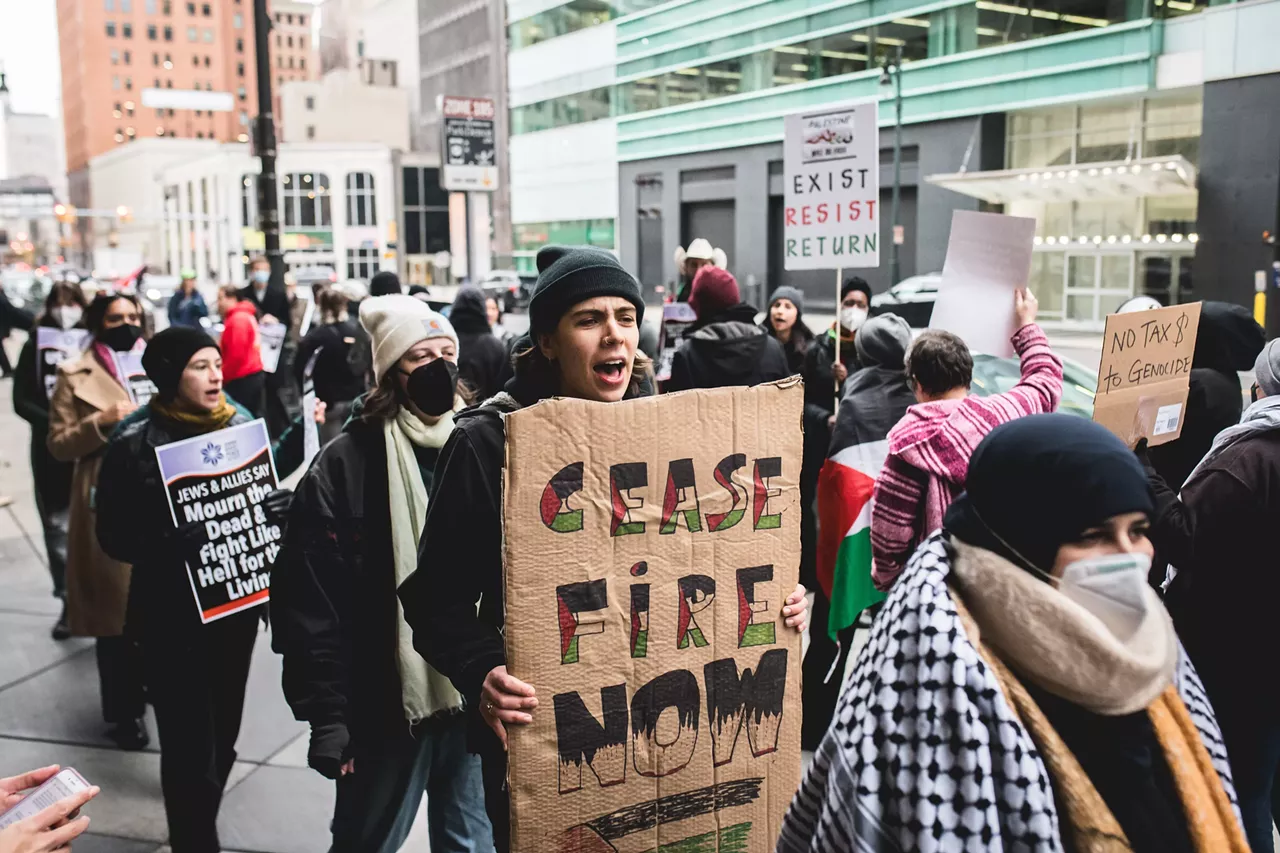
384 283
167 354
568 275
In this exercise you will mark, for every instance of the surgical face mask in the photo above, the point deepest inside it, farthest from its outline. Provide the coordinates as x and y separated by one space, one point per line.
66 316
1113 588
432 386
852 317
121 338
261 276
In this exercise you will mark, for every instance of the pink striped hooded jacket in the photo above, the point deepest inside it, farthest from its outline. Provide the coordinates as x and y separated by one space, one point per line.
929 452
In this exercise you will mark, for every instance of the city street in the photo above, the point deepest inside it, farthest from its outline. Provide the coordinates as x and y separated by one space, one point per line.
50 712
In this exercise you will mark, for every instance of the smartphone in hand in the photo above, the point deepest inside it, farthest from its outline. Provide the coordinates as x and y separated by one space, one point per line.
65 783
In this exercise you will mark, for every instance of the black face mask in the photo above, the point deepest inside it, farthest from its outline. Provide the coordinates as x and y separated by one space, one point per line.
121 338
432 387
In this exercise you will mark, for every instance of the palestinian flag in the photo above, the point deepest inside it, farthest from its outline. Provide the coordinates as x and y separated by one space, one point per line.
845 484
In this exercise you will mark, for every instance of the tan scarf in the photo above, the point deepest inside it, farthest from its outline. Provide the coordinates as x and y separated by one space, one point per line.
1059 645
1087 824
196 422
423 691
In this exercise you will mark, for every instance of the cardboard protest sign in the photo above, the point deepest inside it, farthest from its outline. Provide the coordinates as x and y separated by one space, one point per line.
649 546
219 479
133 376
831 159
1145 373
271 343
54 346
988 258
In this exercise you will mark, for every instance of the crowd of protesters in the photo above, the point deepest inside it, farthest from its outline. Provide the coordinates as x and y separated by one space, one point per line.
1056 664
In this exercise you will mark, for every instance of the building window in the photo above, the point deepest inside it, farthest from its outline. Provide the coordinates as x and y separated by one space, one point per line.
191 8
311 131
151 7
278 18
128 58
239 45
115 57
155 60
360 199
237 20
239 69
291 62
192 34
204 10
128 84
426 211
111 28
152 32
302 62
311 102
126 30
109 5
305 199
289 40
241 94
168 33
206 61
302 20
126 6
195 60
167 7
362 262
208 35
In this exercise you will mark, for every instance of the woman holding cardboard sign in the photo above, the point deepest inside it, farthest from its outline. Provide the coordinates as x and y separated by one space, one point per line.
89 400
585 326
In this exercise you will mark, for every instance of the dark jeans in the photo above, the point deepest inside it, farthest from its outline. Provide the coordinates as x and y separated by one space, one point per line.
818 696
121 678
197 688
378 802
1251 728
248 392
53 503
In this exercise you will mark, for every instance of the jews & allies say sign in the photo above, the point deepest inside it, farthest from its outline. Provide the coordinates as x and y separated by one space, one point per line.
831 156
54 346
649 547
1145 373
220 479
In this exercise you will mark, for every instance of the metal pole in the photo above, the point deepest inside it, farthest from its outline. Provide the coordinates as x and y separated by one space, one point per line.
894 259
265 139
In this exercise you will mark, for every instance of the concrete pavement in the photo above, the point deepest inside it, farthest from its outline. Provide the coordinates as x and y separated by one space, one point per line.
50 711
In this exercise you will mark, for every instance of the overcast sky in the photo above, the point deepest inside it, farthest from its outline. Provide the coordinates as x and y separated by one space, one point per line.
29 54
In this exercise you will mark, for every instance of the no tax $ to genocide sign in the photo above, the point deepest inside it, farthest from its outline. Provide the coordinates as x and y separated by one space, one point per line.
649 547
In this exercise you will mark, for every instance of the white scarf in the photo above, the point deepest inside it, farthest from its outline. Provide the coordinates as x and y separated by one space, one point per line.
424 691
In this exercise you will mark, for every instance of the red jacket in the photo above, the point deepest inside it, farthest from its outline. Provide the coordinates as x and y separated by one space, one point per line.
240 347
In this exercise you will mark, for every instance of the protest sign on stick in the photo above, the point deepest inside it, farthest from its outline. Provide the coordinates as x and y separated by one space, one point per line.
310 431
133 376
669 685
54 346
272 341
220 480
1145 373
988 258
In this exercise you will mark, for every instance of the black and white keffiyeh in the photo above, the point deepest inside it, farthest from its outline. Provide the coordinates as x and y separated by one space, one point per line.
925 753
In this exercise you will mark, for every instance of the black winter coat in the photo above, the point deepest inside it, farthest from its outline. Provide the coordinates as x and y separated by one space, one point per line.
819 383
726 350
333 590
336 380
1228 340
134 526
31 403
274 301
481 356
1217 534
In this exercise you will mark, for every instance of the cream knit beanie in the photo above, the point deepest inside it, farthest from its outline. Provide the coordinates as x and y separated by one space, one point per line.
395 323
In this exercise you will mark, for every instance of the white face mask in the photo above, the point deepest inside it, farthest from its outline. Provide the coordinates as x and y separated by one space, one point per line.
852 317
67 315
1113 588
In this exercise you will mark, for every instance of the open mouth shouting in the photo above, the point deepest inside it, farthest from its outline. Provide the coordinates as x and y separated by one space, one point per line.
612 372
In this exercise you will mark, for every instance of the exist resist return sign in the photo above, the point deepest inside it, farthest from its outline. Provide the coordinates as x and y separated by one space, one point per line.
220 479
649 546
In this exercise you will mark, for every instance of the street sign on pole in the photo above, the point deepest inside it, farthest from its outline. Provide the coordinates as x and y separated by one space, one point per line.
832 169
470 145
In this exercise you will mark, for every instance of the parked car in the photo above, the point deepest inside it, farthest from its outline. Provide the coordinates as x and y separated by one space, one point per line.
992 375
911 299
504 285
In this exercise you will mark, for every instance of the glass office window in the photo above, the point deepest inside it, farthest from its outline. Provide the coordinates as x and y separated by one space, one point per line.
571 17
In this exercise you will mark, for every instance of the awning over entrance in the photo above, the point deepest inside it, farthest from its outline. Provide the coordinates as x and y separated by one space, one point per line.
1149 176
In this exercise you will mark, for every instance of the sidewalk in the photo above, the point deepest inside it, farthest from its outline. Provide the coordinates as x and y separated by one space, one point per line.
50 712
